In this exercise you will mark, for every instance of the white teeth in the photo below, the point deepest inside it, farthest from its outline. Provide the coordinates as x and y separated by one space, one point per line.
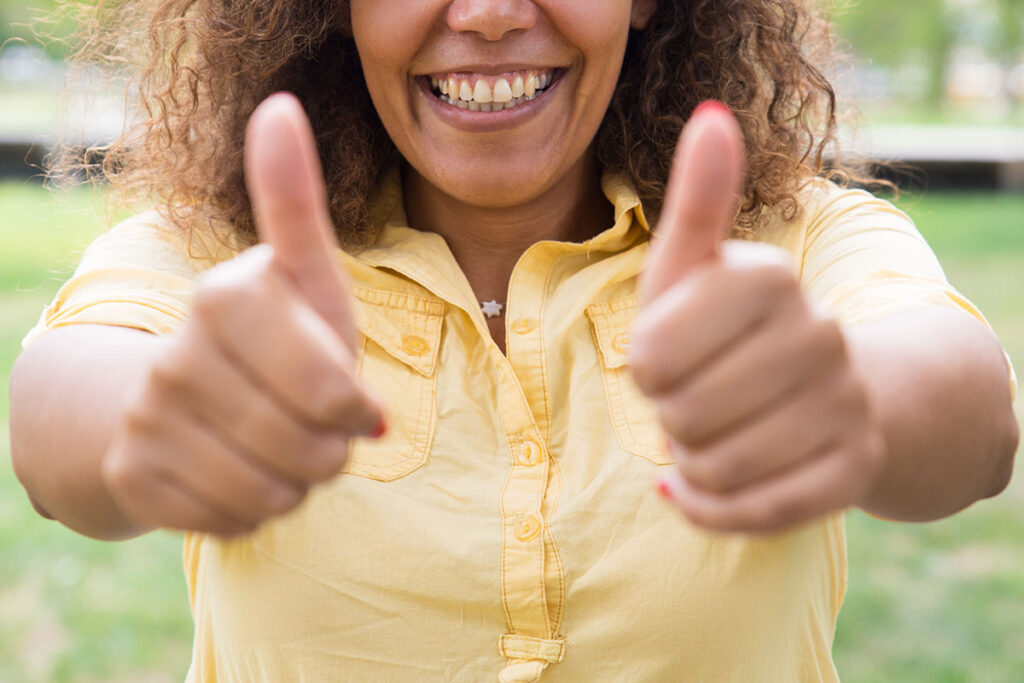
502 91
479 96
482 92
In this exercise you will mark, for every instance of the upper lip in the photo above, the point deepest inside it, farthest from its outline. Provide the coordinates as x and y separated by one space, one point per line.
489 69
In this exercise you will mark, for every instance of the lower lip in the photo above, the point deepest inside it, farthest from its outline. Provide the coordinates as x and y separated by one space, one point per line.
487 121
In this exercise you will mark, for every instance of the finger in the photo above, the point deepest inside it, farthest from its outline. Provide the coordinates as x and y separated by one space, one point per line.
825 484
212 472
776 359
258 426
791 432
700 197
712 309
156 502
289 202
297 358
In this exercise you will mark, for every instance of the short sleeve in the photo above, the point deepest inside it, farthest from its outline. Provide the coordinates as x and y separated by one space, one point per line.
865 260
139 274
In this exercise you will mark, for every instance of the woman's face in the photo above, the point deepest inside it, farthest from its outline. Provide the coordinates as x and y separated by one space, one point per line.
493 101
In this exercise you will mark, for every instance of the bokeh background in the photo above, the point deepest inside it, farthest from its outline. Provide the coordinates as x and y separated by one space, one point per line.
938 83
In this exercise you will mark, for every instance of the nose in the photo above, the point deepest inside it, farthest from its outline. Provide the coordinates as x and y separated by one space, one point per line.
492 19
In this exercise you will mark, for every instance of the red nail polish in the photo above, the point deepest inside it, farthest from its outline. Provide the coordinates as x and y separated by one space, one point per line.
709 106
381 430
663 490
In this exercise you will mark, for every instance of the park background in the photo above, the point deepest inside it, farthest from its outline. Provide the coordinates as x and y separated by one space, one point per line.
936 602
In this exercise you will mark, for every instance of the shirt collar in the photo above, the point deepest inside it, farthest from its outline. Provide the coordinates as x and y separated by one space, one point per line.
425 257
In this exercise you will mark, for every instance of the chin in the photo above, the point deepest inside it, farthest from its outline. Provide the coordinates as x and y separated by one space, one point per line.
496 185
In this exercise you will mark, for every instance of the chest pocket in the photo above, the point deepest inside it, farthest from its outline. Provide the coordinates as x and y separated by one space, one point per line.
634 416
397 360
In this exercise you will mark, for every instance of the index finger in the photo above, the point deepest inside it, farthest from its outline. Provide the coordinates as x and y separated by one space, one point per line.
289 202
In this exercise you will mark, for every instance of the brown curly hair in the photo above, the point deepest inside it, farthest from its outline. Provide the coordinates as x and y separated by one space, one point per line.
200 68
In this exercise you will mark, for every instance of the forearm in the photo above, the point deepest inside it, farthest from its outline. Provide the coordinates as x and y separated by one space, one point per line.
938 382
68 390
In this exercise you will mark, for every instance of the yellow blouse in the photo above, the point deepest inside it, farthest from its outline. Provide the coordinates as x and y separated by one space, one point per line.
506 527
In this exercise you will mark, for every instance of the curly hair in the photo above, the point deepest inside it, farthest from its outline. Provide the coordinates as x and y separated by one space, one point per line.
200 68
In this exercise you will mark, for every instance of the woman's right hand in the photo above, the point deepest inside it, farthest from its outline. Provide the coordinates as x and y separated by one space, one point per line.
256 398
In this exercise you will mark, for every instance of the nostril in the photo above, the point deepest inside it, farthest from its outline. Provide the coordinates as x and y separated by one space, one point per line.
491 19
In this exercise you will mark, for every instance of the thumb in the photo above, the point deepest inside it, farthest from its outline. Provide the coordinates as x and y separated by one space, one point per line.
289 202
700 197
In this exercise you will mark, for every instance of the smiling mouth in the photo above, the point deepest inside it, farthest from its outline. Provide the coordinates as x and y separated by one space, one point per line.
479 92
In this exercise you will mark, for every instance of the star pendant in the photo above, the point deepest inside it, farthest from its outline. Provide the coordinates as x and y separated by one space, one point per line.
492 309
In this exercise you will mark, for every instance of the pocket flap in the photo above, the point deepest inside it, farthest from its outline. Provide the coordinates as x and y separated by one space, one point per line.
407 327
613 322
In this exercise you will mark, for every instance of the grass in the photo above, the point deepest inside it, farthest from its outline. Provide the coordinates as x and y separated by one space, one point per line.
941 602
72 609
944 602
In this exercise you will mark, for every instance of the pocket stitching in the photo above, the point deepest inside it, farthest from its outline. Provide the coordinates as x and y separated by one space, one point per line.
414 451
614 381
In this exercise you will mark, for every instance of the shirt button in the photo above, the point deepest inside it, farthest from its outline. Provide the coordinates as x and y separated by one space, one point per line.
622 341
524 326
529 453
528 528
415 346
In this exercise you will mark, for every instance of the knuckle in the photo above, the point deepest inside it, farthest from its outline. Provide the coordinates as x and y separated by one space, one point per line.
774 279
332 399
251 419
773 514
706 518
827 337
213 296
229 528
122 473
143 416
326 458
698 472
644 368
170 376
679 420
724 474
277 499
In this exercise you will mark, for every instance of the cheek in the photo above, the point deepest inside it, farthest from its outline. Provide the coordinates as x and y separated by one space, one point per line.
598 29
386 34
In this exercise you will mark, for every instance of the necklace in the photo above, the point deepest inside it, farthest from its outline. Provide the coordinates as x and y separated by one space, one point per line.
492 309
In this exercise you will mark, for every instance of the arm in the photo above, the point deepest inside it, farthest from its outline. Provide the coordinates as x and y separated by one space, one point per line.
779 409
945 412
67 390
229 420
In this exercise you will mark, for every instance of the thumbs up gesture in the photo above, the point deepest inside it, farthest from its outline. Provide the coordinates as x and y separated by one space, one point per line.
768 421
256 398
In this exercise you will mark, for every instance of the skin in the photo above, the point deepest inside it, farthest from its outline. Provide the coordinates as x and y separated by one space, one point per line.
776 413
493 194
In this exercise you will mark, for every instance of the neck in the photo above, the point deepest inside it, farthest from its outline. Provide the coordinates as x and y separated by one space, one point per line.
487 241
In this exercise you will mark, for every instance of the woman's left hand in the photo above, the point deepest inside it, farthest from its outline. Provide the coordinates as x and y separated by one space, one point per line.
768 420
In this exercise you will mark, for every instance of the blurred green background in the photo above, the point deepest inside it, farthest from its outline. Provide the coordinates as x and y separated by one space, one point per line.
937 602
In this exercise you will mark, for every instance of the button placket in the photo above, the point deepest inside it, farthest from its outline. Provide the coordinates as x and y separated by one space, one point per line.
530 453
527 574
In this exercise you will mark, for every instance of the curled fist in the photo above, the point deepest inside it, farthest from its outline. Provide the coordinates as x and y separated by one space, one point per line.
256 398
768 420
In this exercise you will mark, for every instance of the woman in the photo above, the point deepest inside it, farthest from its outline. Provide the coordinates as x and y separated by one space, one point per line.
487 340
